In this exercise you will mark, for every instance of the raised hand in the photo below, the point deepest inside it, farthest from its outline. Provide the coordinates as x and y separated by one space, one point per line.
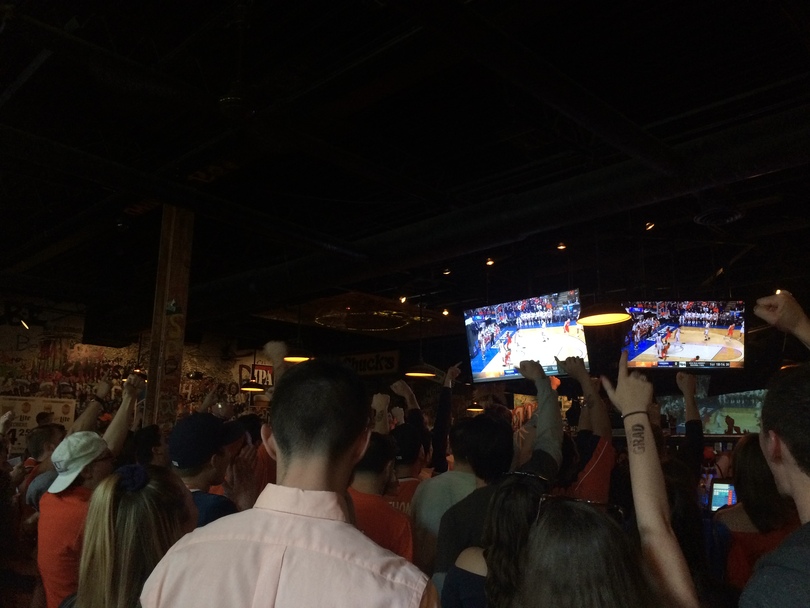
574 367
240 484
781 310
687 383
531 370
104 385
401 388
6 420
632 393
453 372
399 415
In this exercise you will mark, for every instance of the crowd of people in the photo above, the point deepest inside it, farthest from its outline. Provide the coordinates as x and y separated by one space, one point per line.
343 498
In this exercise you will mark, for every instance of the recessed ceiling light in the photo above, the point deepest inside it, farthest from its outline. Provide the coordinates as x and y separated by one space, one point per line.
446 271
490 261
445 312
402 299
561 246
649 225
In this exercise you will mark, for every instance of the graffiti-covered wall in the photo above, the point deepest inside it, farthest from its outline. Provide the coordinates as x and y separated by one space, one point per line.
42 356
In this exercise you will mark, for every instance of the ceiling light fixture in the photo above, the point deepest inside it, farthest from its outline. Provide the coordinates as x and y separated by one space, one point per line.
561 246
445 312
421 369
600 314
24 324
251 386
490 261
446 271
649 225
297 353
402 299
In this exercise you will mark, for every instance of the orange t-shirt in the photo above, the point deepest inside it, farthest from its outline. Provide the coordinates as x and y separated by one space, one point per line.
593 482
59 543
382 523
747 547
401 499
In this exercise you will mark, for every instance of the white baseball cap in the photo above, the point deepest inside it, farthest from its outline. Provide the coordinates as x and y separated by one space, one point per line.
74 453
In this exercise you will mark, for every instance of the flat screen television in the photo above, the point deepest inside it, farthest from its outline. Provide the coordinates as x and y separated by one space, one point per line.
703 335
538 328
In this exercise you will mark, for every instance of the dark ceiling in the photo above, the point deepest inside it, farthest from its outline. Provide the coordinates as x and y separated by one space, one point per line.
342 153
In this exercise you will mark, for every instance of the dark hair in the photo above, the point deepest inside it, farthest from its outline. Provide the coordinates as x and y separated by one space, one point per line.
756 488
486 443
687 522
381 450
146 438
786 411
416 417
511 512
319 406
42 435
253 425
43 416
579 557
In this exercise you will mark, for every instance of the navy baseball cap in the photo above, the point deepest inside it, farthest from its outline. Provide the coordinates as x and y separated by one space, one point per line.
195 438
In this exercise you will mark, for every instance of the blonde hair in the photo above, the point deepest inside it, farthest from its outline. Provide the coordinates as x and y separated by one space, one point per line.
135 516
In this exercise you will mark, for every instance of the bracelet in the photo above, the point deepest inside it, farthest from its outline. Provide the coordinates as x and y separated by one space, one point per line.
636 412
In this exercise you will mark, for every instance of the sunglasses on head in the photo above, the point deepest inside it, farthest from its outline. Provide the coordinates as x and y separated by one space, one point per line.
615 512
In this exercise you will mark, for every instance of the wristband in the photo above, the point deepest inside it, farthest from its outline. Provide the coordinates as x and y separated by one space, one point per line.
636 412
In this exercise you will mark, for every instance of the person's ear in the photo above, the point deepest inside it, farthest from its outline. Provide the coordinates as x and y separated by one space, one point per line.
269 441
360 446
217 459
771 445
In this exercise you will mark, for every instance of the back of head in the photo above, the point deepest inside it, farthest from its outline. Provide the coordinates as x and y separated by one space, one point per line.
511 512
382 449
486 443
195 439
40 436
786 411
755 486
146 438
408 442
320 407
135 516
253 425
579 557
44 418
417 418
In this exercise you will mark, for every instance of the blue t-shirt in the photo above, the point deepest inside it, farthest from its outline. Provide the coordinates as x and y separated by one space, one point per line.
212 507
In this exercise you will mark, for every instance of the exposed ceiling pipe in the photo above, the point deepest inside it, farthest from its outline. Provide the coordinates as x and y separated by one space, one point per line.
45 152
516 64
760 147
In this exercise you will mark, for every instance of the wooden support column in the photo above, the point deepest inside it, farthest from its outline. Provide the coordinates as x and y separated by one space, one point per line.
169 317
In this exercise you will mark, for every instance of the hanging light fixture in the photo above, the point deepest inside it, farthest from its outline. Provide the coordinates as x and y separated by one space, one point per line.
297 353
251 386
475 407
421 369
600 314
